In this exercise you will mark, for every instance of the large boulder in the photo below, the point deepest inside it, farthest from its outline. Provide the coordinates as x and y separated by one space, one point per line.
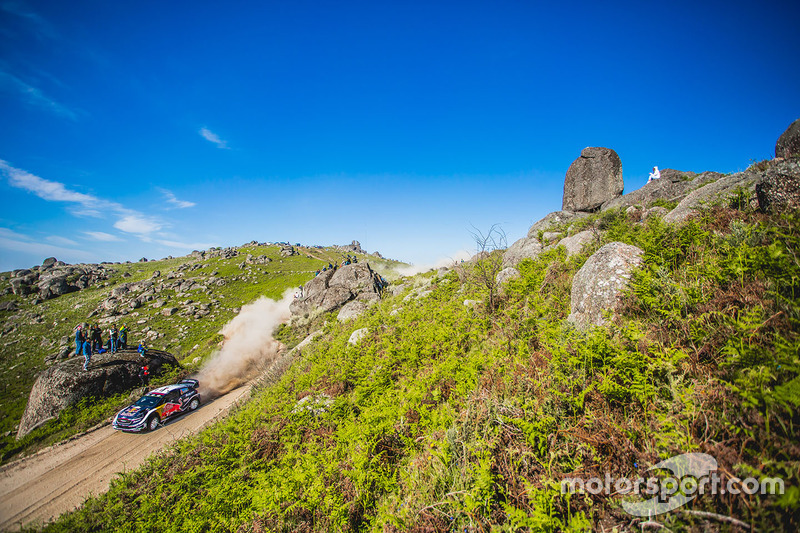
52 286
592 179
780 186
714 191
331 289
65 384
524 248
575 243
788 144
597 286
673 186
553 220
350 310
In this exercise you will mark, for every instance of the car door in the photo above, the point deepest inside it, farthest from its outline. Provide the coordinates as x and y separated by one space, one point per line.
172 404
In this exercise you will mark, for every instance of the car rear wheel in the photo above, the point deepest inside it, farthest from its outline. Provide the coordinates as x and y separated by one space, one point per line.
152 423
194 404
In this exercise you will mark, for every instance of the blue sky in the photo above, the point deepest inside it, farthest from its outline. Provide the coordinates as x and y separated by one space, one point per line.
155 128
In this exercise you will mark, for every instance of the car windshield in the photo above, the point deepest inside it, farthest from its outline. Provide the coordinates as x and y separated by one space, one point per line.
148 401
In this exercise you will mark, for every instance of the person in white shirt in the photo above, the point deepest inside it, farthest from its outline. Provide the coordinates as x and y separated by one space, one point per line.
654 175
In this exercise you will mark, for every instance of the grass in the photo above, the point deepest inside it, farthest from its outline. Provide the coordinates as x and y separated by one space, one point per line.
450 418
39 328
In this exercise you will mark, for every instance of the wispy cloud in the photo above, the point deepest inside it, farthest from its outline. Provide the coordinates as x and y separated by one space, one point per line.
40 27
6 233
61 241
172 200
102 236
82 204
139 224
13 241
45 189
186 245
210 136
33 95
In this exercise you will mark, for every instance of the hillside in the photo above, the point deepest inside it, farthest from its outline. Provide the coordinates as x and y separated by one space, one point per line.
176 304
459 404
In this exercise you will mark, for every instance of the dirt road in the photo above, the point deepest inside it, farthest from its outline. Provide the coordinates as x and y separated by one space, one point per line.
39 488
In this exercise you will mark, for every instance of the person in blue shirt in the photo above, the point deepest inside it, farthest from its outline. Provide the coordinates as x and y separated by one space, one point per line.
87 354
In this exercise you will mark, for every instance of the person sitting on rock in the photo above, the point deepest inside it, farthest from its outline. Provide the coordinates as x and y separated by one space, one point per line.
654 175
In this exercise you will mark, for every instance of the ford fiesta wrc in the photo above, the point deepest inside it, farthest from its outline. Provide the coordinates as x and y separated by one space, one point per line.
157 406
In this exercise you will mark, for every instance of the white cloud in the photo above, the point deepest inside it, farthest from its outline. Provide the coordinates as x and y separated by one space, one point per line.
61 241
210 136
186 245
83 205
22 243
137 223
102 236
34 96
11 234
45 189
180 204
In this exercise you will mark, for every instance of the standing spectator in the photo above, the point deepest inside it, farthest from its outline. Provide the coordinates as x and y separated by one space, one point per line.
144 375
123 337
112 338
78 340
87 354
97 338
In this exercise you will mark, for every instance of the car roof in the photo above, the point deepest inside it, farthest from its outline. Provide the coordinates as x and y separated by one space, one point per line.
166 389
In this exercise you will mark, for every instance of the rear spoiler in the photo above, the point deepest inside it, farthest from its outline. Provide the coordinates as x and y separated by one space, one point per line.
191 382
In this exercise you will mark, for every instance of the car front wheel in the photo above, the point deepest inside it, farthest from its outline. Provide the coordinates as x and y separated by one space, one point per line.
194 404
152 423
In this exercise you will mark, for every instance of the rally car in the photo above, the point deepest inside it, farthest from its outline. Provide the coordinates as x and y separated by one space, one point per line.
159 405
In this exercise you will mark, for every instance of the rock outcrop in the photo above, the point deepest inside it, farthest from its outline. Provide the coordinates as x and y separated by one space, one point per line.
55 278
714 191
673 186
524 248
597 286
575 243
555 218
788 144
780 186
66 383
350 310
592 180
506 275
354 246
332 289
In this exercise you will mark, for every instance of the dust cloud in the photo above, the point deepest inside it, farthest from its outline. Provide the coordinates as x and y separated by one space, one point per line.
248 349
411 270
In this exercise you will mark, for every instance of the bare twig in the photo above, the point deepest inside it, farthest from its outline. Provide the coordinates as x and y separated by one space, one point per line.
718 517
435 505
653 525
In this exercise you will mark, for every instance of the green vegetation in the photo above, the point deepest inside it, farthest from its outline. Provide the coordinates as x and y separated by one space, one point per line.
35 331
448 417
